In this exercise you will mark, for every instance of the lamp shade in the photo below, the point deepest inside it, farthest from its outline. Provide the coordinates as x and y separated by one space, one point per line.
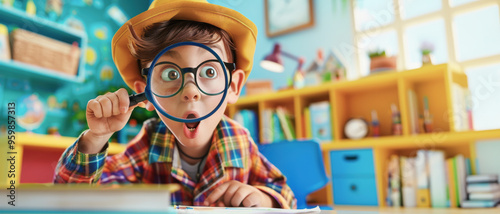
273 62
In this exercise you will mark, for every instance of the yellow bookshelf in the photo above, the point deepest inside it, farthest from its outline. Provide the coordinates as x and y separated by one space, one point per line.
349 99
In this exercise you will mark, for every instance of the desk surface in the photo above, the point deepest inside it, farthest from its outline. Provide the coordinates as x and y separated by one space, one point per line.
390 210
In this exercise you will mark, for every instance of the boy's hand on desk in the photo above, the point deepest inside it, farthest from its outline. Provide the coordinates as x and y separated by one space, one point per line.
236 194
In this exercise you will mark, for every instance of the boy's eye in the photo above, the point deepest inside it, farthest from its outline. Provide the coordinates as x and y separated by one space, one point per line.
208 72
170 74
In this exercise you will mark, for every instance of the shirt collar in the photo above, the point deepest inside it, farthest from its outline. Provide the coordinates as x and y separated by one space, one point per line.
225 139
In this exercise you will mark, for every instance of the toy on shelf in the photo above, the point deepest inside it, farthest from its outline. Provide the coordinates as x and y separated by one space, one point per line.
334 68
397 128
313 73
375 124
427 116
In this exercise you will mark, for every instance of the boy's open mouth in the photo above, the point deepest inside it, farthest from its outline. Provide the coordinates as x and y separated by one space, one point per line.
192 126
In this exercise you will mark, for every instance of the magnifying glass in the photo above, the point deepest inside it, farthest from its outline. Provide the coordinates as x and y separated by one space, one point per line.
167 79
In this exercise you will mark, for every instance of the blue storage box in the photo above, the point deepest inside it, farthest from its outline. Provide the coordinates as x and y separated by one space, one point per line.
353 177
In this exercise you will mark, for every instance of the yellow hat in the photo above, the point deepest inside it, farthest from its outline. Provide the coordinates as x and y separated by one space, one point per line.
242 31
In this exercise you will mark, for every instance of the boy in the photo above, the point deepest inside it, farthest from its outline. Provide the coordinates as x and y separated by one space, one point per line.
215 160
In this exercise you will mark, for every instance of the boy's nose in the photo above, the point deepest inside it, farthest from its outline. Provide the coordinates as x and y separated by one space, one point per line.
190 93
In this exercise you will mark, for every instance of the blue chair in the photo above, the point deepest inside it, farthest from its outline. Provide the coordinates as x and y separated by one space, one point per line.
302 164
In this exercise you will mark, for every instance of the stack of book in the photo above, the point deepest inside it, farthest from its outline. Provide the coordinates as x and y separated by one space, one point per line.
483 190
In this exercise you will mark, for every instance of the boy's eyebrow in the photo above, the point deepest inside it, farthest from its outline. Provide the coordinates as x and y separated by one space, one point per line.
173 54
176 55
213 46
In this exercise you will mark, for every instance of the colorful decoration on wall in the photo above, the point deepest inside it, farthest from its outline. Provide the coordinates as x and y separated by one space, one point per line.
100 31
117 15
31 113
106 72
74 23
91 56
54 9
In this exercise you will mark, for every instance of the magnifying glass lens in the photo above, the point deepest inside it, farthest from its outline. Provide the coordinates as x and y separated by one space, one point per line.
179 87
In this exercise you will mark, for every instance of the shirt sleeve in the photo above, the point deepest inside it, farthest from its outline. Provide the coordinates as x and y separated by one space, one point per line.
126 167
268 179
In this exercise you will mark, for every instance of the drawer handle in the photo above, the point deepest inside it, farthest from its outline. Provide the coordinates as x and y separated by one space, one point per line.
353 187
351 157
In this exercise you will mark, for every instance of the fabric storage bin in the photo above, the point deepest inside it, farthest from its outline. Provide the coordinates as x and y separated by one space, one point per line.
38 50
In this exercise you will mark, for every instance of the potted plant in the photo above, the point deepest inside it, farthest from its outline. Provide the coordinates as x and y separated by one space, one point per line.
380 62
426 48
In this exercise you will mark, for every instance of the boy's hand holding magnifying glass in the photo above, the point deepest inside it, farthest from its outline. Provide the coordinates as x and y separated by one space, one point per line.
105 114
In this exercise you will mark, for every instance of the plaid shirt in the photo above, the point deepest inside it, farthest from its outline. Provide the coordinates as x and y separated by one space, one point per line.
152 157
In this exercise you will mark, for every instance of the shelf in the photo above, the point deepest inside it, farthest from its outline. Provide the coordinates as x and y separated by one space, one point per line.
12 18
438 139
24 71
57 142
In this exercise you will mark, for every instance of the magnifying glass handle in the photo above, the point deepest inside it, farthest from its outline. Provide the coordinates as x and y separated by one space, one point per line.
136 98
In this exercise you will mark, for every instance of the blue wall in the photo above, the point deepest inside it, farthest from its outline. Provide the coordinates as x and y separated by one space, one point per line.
332 29
100 74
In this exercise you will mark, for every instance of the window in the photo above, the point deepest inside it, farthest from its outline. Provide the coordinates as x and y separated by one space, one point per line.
463 31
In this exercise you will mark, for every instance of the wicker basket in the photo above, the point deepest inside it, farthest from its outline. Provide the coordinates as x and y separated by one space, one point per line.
38 50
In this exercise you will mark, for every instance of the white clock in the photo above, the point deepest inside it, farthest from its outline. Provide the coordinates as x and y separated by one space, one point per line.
356 128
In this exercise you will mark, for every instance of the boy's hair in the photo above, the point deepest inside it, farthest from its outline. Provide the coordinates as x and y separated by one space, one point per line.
162 34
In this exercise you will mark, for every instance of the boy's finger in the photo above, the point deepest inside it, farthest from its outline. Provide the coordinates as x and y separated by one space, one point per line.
238 197
216 194
124 101
105 105
251 200
94 107
115 105
230 192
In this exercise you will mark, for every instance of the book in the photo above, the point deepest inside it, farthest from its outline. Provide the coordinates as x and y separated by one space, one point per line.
278 134
321 121
484 195
83 197
486 178
248 119
409 181
452 193
462 107
394 194
437 179
267 126
461 174
423 193
4 43
286 122
413 107
480 204
483 187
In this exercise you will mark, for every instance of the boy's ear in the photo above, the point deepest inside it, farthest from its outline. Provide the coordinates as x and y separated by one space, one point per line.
237 82
140 86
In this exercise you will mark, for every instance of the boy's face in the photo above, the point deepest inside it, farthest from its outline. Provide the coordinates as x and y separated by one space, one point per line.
190 102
